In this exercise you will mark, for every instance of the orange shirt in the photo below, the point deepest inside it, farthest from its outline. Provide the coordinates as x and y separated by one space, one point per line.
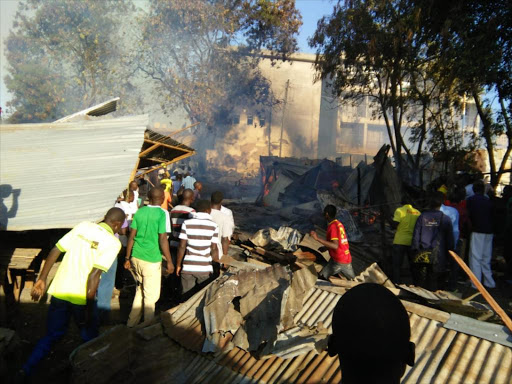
167 200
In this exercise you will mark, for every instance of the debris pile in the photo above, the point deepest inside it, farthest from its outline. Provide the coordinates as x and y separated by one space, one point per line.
271 325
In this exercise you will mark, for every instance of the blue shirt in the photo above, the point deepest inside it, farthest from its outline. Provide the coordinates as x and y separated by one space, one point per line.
453 214
188 182
176 185
433 230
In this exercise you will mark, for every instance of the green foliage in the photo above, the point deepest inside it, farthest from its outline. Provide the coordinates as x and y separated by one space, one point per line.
64 56
473 40
417 59
372 48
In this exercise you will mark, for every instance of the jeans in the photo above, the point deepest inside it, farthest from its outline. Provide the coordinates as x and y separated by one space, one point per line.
59 313
104 295
333 268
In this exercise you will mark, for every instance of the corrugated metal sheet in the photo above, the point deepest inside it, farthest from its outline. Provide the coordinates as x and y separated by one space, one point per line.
96 110
442 355
66 172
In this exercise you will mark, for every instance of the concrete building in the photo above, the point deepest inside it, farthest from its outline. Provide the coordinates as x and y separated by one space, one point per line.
308 122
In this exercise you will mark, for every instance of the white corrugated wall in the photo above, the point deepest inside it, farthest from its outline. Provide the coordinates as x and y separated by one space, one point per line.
65 172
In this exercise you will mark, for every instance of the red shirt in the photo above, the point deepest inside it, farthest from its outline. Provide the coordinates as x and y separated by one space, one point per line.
336 231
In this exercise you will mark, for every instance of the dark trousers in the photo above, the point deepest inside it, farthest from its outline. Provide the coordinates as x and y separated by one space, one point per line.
59 313
422 275
455 270
190 284
171 283
399 253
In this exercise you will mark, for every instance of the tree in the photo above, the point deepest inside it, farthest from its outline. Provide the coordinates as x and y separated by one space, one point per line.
380 49
474 41
67 55
369 49
203 55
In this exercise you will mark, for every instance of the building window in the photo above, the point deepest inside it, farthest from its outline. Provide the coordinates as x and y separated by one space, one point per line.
262 121
236 119
249 120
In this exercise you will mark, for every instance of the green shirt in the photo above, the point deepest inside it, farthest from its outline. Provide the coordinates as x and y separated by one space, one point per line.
149 222
406 216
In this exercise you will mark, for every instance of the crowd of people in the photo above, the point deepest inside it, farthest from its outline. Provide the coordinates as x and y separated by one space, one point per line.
463 220
172 246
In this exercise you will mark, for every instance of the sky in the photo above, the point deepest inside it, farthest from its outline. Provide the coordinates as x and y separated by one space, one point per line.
311 11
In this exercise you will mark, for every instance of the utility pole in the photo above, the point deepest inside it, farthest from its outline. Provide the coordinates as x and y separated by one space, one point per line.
282 120
270 131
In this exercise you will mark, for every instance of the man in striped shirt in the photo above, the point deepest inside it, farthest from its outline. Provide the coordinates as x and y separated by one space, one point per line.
197 249
179 214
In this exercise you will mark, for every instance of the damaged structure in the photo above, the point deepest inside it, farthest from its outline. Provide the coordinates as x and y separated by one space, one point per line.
270 325
83 161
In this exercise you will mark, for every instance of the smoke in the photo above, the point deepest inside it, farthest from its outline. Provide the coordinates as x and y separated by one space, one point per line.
7 12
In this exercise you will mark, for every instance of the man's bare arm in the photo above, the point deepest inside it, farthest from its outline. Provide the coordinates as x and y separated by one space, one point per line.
331 244
225 245
129 247
181 254
215 252
93 281
40 285
164 246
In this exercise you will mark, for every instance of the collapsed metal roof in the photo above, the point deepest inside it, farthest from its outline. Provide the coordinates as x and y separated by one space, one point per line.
443 354
96 110
449 348
54 175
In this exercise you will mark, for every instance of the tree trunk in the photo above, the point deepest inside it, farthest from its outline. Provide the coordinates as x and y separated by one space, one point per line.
509 141
487 134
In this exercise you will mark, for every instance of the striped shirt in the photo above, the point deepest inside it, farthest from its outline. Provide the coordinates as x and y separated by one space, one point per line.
179 214
200 232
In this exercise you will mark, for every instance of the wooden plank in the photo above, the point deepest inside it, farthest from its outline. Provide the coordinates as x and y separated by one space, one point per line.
134 172
487 296
167 145
305 255
427 312
159 143
17 287
30 278
20 252
167 163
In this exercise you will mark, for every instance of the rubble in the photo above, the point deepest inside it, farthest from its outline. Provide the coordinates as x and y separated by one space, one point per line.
286 238
250 308
272 325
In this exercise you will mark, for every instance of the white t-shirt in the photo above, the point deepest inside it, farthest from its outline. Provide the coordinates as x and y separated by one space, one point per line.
127 209
230 228
133 204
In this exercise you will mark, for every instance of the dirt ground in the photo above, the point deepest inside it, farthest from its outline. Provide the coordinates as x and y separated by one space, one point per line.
28 319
